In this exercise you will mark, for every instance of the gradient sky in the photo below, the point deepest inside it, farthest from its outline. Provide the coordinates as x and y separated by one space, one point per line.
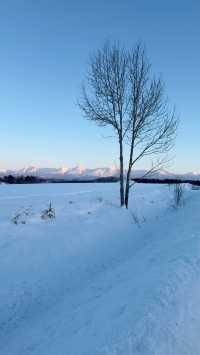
44 52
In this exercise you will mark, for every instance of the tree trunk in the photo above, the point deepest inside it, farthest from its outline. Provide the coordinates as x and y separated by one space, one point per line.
121 172
127 187
128 175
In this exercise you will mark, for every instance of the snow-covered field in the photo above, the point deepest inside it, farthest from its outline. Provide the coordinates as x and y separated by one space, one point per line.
98 279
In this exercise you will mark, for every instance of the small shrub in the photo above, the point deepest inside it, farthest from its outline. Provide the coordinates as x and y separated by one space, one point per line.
178 194
19 217
16 219
48 213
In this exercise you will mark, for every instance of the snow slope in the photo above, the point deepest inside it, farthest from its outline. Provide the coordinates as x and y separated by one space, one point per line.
99 279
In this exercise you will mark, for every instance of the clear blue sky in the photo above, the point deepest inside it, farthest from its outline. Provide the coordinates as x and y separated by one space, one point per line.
43 58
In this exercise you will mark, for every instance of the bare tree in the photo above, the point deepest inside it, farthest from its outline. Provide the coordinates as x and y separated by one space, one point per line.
122 93
152 125
105 100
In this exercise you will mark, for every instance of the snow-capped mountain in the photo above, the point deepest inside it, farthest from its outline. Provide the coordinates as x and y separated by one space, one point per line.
63 173
79 172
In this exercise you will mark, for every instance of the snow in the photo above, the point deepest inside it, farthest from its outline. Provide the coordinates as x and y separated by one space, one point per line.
99 279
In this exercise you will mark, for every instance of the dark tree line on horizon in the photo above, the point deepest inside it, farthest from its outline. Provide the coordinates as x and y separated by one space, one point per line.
29 179
11 179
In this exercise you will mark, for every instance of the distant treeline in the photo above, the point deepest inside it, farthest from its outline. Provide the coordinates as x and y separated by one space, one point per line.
10 179
166 181
29 179
99 179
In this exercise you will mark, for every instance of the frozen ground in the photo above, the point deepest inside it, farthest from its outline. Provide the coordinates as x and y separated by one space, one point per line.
99 280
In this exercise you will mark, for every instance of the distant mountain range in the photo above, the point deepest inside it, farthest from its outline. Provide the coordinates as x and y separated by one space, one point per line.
87 174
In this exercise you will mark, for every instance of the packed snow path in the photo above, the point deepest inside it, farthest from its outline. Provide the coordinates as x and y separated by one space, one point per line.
99 279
